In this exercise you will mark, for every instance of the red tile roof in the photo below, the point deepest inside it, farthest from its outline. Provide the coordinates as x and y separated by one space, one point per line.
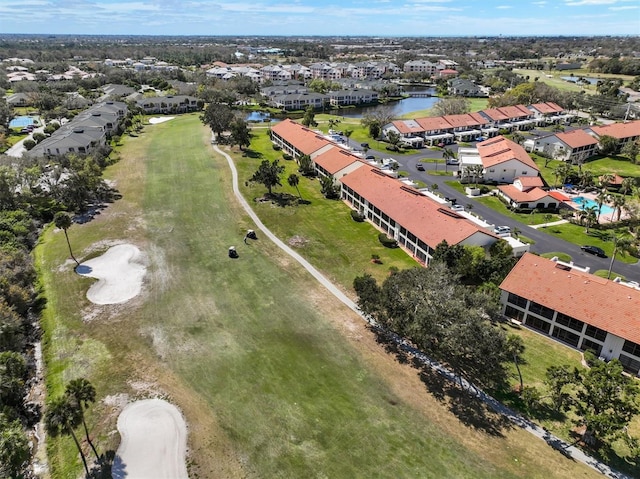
548 107
499 149
527 196
529 181
559 196
434 123
335 159
618 130
408 126
425 218
596 301
516 111
576 138
300 136
466 120
495 114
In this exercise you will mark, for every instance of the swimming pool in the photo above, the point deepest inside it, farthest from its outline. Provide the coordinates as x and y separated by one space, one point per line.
22 121
587 203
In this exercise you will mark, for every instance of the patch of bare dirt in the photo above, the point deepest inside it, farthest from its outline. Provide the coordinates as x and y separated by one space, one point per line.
298 241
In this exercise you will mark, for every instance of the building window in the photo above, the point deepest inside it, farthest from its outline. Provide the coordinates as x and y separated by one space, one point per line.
630 365
517 300
596 333
592 346
566 336
569 322
539 324
540 310
514 313
631 348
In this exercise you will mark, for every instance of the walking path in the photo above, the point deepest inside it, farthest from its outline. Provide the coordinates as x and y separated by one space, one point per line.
565 448
553 223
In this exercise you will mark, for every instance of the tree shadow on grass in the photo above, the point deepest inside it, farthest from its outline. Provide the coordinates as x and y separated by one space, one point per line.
468 408
252 154
282 199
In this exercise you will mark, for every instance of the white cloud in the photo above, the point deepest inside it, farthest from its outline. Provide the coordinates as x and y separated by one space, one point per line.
579 3
628 7
504 7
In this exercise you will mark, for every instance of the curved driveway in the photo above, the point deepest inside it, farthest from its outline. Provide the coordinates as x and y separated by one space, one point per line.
566 449
543 242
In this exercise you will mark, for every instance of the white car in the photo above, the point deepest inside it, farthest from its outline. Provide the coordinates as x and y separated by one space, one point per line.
502 230
457 207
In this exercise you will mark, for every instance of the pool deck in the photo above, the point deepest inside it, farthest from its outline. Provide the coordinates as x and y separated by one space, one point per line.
604 217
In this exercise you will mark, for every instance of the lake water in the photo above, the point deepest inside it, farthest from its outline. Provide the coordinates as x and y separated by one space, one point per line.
398 108
574 79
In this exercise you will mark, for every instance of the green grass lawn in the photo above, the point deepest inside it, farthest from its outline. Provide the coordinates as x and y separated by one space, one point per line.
561 256
597 166
252 350
576 234
526 218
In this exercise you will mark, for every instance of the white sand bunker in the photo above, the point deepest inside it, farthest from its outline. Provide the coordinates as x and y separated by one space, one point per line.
154 442
155 120
119 273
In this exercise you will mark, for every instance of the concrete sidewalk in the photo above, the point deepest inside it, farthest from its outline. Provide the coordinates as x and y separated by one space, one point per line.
544 225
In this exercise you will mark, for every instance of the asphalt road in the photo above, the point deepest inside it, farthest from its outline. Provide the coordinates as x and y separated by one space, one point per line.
544 242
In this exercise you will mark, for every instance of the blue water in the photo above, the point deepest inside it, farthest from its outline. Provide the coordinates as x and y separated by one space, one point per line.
587 203
574 79
21 122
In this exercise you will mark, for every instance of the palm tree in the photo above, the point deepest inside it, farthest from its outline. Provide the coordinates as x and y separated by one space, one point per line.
591 217
620 245
63 221
618 201
586 179
515 347
627 185
602 198
562 171
475 171
447 154
605 180
293 180
82 392
62 417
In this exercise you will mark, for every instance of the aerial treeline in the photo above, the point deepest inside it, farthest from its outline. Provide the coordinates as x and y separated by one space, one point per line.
32 191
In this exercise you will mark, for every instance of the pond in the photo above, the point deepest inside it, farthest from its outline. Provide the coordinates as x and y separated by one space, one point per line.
398 108
591 81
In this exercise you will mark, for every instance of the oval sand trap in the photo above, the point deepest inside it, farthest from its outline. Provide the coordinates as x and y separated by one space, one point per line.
154 442
119 273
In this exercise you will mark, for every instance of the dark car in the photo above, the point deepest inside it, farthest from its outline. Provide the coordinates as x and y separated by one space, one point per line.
593 250
364 145
419 167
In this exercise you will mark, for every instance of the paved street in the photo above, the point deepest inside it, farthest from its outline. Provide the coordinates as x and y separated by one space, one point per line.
544 242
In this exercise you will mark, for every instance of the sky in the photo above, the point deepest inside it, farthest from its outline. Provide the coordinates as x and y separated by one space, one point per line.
322 17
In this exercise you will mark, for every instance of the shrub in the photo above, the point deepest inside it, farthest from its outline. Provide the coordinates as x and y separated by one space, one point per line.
484 190
386 241
29 144
287 156
277 147
357 216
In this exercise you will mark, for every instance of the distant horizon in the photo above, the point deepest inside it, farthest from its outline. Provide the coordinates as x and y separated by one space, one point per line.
317 18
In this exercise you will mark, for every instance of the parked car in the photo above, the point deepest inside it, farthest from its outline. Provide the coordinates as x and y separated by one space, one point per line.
453 161
419 167
26 130
440 145
364 145
457 207
502 230
593 250
370 158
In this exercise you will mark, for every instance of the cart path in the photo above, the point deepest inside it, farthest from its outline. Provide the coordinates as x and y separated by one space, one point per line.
565 448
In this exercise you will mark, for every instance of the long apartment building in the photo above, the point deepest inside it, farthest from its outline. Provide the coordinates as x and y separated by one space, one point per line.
576 308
